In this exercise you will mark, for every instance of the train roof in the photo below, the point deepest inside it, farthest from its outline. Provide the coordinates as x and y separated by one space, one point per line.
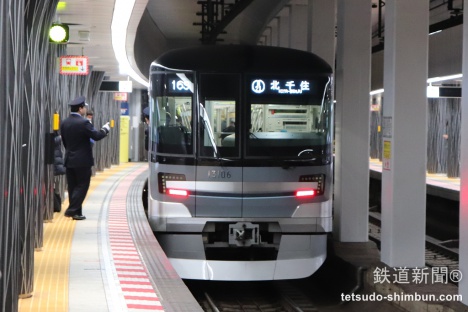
244 58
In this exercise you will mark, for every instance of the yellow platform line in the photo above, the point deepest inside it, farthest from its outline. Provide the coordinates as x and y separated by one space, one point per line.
52 263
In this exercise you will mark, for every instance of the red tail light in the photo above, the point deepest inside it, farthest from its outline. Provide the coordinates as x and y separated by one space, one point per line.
175 192
163 178
306 193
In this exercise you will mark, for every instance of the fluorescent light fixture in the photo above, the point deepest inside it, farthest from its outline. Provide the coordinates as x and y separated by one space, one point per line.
432 92
122 12
430 80
438 79
435 32
375 92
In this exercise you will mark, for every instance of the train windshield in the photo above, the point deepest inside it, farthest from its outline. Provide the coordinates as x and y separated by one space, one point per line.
172 113
235 116
290 118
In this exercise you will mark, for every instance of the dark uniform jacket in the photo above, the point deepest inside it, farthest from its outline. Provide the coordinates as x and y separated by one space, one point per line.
76 132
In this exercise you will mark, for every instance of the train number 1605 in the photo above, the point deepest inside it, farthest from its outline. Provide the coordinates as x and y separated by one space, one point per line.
219 174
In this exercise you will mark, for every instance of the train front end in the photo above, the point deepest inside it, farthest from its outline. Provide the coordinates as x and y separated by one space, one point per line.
240 183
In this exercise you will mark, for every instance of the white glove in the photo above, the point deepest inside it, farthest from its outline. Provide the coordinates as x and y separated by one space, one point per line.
106 127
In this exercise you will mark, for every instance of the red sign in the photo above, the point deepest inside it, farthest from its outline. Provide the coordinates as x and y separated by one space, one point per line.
74 65
120 96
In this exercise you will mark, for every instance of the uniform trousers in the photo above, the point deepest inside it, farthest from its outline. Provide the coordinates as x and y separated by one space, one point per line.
78 180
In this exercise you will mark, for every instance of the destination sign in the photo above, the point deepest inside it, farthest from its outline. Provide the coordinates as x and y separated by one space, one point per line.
280 86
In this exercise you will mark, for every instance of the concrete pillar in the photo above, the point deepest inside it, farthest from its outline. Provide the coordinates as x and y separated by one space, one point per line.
321 29
298 26
404 133
352 122
463 251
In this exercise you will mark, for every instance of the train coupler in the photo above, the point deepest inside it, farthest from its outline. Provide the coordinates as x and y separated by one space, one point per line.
244 234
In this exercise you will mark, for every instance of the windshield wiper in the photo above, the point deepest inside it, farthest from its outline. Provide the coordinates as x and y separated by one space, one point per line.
308 151
206 122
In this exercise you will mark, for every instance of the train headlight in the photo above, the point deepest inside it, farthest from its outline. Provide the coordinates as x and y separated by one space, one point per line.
317 178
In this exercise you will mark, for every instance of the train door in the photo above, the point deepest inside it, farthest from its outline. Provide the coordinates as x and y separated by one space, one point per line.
218 175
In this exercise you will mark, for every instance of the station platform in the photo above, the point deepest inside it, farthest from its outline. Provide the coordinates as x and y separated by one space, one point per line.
109 262
112 262
436 184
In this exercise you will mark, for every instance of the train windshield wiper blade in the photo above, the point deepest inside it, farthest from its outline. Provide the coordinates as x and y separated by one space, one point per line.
206 121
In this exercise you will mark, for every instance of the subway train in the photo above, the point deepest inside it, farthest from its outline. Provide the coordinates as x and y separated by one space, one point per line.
240 161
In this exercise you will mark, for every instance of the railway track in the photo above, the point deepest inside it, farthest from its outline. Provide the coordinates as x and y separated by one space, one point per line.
251 297
438 253
279 296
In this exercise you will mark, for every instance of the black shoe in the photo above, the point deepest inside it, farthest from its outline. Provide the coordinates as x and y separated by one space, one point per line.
78 217
67 215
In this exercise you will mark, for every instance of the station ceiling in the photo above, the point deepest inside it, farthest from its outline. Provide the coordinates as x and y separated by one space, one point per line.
155 26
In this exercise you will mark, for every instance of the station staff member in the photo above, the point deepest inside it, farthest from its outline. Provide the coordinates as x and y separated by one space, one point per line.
76 133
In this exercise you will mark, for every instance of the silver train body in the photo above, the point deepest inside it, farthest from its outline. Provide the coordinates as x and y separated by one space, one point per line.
240 183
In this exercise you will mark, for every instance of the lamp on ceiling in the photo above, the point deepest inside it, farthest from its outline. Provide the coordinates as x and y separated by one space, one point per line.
120 20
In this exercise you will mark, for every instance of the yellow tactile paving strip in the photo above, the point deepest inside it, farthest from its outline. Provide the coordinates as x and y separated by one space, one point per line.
52 264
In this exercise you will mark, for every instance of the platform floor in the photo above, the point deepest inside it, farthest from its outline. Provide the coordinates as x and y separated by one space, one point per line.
436 184
97 264
436 179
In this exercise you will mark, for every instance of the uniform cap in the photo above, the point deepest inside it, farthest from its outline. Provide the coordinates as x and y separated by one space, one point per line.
78 101
146 111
